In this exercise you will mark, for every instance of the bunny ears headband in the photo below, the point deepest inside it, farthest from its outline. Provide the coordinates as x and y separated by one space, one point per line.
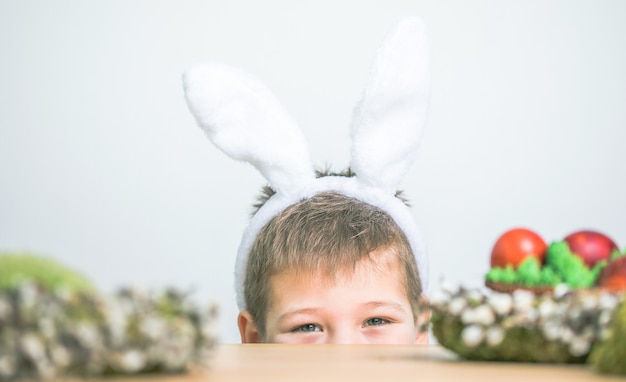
243 119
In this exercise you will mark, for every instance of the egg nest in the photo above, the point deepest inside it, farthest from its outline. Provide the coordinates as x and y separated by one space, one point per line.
48 334
558 326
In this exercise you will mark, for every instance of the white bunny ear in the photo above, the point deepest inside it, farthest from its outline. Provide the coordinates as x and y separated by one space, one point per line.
244 119
388 121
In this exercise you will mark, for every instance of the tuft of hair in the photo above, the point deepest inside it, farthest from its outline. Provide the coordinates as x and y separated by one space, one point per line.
267 191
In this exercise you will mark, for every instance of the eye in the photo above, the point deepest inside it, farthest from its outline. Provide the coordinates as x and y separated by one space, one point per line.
307 328
376 321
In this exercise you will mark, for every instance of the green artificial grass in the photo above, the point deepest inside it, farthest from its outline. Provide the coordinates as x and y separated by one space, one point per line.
561 266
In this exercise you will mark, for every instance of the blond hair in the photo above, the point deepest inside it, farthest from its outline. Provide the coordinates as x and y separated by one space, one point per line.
325 233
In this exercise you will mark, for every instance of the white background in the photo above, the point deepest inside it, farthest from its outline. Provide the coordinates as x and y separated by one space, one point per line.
103 167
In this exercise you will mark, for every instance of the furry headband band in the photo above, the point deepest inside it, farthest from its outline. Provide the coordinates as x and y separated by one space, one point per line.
243 119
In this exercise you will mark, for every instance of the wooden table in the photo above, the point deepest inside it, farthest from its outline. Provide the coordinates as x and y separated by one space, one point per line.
364 363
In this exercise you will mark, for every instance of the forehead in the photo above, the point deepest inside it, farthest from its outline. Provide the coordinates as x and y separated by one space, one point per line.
329 267
380 268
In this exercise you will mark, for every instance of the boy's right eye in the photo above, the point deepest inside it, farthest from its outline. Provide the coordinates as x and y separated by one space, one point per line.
307 328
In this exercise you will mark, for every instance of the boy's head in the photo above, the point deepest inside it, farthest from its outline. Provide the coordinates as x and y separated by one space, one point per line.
326 237
325 248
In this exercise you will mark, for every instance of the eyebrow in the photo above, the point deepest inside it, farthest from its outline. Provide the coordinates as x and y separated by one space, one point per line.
384 304
297 312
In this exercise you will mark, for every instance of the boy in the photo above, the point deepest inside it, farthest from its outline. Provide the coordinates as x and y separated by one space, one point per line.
327 258
331 269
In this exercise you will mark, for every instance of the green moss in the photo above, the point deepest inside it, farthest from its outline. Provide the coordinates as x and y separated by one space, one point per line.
504 275
616 254
608 356
16 268
529 271
561 266
549 277
571 267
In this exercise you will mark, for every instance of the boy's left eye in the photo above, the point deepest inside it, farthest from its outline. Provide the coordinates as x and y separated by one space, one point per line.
308 328
376 321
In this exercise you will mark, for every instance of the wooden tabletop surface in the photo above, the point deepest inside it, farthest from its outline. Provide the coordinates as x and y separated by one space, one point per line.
300 363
